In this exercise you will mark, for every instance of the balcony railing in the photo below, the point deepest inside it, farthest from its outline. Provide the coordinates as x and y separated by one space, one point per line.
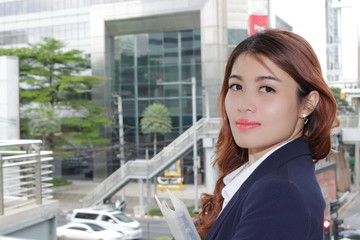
24 170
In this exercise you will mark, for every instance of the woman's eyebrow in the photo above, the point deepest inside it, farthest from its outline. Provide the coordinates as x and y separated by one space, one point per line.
260 78
267 77
235 76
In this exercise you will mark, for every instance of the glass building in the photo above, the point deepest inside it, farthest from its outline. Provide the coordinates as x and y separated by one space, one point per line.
136 44
141 61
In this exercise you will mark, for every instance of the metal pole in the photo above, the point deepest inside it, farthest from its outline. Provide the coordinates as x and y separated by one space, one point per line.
1 187
147 177
38 177
195 157
141 192
121 142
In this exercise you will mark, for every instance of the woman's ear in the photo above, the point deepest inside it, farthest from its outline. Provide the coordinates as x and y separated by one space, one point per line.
311 102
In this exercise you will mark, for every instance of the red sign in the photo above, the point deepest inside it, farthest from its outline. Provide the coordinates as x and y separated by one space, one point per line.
257 23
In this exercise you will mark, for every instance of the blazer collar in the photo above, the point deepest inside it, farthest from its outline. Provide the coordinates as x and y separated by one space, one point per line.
278 158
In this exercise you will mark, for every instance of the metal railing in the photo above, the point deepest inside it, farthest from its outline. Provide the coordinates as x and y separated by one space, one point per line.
349 121
24 170
146 169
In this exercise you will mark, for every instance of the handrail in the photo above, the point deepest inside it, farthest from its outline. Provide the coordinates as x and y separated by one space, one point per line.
22 174
146 169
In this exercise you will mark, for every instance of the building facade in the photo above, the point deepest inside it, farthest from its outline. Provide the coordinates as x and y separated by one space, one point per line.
136 44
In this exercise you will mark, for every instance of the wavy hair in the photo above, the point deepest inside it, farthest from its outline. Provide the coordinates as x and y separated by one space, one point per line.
294 55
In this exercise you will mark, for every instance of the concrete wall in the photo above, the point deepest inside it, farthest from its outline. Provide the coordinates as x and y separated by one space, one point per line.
9 97
31 222
326 176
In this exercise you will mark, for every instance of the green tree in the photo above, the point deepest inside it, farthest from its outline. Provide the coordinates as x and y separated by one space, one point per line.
156 120
342 104
54 76
43 122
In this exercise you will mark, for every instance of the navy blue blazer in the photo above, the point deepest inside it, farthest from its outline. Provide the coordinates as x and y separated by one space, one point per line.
281 200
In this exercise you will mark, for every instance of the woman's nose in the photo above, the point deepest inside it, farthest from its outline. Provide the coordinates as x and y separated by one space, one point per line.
246 104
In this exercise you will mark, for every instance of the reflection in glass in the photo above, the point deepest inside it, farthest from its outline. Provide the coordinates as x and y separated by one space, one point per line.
142 60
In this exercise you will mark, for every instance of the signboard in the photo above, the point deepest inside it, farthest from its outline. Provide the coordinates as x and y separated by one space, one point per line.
257 23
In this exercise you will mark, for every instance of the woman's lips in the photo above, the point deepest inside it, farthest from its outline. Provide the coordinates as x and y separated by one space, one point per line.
246 124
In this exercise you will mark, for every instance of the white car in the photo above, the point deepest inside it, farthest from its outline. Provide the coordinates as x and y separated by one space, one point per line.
86 231
109 219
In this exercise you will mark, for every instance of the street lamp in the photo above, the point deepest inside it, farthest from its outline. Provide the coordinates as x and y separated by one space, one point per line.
195 156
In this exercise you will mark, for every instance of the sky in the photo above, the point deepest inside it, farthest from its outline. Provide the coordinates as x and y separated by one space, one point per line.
307 17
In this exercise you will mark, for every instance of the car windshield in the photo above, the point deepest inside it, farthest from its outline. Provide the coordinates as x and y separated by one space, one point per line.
121 217
95 227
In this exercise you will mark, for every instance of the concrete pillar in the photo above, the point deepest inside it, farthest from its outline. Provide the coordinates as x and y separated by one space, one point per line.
213 19
211 174
9 98
357 145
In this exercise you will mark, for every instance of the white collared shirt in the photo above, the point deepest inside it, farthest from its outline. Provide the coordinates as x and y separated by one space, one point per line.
236 178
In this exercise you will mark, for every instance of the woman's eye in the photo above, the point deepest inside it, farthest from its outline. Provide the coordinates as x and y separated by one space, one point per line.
235 87
267 89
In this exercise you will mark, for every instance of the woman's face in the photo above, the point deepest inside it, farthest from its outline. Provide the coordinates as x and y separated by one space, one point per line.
262 106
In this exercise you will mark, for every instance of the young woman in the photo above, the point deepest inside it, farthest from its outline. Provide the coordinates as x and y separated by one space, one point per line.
278 114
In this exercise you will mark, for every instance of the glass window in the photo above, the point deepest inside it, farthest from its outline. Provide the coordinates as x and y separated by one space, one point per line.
155 74
186 91
142 59
129 111
171 56
156 41
197 39
126 45
235 36
127 75
142 43
197 54
143 90
187 39
142 105
127 58
187 106
143 74
122 218
173 106
187 56
171 91
170 40
142 49
198 74
2 9
156 57
85 215
128 91
171 74
95 227
187 71
78 229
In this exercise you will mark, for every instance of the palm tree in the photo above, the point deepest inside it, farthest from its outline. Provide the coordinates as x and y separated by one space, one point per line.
156 120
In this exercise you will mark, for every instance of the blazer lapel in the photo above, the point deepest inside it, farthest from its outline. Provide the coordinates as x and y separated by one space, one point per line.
290 151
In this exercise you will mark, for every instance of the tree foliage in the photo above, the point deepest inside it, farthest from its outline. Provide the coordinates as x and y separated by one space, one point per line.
52 76
342 104
43 122
156 120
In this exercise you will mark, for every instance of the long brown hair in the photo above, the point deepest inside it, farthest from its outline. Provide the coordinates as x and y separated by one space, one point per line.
294 55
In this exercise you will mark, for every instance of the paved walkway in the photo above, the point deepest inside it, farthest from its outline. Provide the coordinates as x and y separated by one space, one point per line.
70 196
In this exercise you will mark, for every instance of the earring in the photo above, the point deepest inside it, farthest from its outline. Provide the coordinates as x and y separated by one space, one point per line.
304 117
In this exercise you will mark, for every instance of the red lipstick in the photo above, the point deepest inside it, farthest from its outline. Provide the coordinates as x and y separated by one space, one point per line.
246 124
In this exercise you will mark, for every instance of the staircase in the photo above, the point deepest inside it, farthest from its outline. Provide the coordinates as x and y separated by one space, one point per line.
147 169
